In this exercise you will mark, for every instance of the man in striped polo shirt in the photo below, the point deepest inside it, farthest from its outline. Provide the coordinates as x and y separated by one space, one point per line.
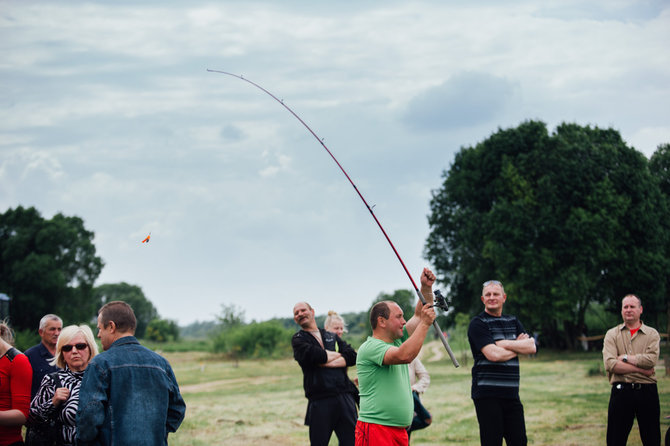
496 340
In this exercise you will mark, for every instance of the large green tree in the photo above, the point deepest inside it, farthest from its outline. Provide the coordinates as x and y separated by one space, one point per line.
133 295
659 164
563 219
46 266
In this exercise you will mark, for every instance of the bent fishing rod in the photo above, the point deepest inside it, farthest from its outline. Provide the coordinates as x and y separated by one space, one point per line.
440 301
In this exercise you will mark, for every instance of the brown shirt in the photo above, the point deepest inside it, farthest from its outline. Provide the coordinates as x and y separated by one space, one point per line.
644 345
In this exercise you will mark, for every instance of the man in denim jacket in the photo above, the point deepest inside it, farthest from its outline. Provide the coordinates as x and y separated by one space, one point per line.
129 394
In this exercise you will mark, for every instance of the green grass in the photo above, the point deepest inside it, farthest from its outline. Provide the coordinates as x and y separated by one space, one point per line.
182 345
262 402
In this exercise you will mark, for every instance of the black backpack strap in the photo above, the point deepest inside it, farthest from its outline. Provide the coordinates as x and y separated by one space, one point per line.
11 354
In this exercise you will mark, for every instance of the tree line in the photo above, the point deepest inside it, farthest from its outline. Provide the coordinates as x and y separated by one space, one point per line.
50 266
272 339
569 221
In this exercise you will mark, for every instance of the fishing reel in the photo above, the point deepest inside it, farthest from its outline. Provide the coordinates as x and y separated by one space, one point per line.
440 301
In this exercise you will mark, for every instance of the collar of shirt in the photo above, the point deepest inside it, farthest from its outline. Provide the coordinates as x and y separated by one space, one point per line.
623 327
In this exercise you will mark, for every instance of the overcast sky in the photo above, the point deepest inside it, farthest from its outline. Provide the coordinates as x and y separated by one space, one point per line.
108 112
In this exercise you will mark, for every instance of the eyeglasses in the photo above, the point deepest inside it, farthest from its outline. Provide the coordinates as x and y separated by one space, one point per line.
68 347
491 282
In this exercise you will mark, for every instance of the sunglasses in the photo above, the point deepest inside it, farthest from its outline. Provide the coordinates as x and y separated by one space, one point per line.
68 347
492 282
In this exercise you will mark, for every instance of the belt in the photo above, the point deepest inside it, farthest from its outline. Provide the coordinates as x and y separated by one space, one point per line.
631 386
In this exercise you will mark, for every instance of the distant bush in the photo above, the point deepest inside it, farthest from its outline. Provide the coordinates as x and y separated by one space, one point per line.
596 369
183 345
162 330
199 330
255 340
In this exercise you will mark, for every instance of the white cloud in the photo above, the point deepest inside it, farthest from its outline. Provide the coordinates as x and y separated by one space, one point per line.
280 163
108 113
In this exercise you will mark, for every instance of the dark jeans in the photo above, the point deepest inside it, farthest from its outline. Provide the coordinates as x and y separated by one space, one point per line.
630 401
326 415
421 414
422 418
501 418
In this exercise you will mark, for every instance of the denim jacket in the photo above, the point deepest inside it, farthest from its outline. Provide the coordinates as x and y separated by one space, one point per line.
129 396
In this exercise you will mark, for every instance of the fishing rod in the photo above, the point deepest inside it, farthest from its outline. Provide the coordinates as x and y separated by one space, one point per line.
440 301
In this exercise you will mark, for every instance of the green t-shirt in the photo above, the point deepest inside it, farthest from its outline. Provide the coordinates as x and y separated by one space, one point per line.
386 396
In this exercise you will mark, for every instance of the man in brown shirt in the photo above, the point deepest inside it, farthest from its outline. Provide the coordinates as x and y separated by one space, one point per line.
630 353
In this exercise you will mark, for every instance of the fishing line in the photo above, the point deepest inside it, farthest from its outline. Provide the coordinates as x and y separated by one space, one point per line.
416 289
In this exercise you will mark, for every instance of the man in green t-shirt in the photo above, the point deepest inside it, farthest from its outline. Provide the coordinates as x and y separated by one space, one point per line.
386 406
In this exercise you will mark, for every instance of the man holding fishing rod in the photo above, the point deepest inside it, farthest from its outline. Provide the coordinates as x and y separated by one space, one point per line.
387 406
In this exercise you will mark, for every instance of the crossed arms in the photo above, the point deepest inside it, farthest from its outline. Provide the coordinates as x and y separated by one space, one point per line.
621 368
506 349
308 352
335 360
642 363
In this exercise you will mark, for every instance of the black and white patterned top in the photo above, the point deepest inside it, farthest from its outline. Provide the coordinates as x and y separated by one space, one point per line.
42 408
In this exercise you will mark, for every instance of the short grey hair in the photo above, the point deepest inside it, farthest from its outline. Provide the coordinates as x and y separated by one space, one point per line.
639 301
493 282
49 317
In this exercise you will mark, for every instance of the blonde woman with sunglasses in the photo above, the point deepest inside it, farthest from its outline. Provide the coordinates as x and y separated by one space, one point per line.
58 395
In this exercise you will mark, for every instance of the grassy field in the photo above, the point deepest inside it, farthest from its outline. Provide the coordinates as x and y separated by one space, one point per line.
262 402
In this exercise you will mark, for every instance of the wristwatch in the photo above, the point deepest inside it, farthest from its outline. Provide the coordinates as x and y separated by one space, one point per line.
625 358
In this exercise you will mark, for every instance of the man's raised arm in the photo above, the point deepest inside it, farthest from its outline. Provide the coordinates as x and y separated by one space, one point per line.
427 281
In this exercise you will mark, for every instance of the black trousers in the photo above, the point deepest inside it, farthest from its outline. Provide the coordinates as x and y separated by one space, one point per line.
337 413
501 418
421 414
630 401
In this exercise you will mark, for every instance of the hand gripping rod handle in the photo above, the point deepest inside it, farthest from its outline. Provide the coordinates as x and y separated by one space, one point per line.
438 330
